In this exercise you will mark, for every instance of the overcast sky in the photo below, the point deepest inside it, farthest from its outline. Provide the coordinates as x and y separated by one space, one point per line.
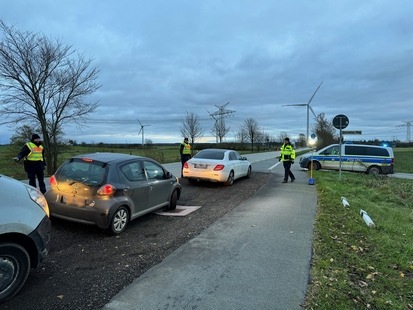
161 59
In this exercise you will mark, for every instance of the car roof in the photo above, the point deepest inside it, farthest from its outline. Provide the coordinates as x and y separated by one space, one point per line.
217 150
108 157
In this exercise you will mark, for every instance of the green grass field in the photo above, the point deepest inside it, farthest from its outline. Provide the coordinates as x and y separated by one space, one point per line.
164 154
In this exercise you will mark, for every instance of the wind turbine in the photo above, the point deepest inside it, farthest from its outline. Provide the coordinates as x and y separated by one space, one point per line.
308 109
142 130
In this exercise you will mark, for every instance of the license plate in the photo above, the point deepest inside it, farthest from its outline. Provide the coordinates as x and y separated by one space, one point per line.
200 166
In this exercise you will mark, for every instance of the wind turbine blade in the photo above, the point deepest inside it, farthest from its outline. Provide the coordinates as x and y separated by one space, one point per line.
311 109
139 122
140 131
309 101
295 105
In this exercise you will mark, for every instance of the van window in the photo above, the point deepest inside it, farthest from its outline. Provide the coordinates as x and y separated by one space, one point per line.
366 151
334 150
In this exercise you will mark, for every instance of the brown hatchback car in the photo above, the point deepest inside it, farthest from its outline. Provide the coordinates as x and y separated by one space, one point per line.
110 189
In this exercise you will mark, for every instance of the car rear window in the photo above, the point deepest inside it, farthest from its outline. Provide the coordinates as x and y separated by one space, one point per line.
92 173
210 154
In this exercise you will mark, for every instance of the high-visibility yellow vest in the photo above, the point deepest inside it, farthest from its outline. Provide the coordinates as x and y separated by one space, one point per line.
187 148
287 152
36 152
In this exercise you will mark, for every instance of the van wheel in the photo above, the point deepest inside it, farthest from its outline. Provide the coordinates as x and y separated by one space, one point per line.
14 267
374 170
316 165
119 221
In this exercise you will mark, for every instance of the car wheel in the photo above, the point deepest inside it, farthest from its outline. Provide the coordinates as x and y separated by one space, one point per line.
230 180
249 172
374 170
119 220
14 269
173 200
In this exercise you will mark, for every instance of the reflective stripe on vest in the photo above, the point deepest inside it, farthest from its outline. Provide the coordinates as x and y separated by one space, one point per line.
36 152
187 149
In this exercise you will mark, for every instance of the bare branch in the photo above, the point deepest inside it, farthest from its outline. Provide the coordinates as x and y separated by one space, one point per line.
44 81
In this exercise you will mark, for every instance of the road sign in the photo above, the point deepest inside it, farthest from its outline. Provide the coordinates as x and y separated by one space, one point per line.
340 121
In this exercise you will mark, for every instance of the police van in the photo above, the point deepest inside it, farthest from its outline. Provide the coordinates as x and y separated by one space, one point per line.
354 157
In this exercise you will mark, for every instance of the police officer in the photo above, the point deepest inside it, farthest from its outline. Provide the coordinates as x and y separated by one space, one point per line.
287 157
185 152
34 163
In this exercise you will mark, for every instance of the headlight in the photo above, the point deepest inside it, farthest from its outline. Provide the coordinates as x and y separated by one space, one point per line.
38 198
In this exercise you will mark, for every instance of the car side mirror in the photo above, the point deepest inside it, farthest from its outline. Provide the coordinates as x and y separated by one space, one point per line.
169 175
244 158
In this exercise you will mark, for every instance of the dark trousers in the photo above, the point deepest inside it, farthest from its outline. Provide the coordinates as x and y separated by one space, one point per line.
184 159
287 171
36 170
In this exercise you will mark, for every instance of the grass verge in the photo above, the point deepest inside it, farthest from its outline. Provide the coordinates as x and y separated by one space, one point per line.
354 266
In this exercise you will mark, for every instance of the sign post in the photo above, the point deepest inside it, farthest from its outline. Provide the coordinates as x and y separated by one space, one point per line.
340 122
312 143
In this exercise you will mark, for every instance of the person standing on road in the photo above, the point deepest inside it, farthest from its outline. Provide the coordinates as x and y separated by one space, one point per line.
33 155
287 157
185 152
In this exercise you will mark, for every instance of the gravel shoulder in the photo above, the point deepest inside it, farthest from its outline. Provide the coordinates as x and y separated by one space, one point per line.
86 266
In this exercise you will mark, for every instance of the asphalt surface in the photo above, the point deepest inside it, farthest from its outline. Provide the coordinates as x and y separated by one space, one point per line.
256 257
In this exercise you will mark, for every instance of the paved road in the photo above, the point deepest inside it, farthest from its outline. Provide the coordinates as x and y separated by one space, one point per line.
256 257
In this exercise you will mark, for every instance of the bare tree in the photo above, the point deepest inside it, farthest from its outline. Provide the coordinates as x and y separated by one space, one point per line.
22 135
220 130
44 83
191 127
240 135
302 140
282 136
252 131
325 131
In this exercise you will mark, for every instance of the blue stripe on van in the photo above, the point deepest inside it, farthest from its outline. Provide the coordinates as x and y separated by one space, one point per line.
364 159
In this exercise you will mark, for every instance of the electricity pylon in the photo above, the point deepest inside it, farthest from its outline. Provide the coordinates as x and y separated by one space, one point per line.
408 125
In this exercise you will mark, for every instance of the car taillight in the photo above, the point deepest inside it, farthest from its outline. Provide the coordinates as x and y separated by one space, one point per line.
53 181
106 190
219 167
186 165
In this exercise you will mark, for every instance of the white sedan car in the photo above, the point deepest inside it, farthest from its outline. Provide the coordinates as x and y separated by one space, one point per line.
217 165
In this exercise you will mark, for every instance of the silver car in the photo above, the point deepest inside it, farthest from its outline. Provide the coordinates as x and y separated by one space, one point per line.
24 234
110 189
